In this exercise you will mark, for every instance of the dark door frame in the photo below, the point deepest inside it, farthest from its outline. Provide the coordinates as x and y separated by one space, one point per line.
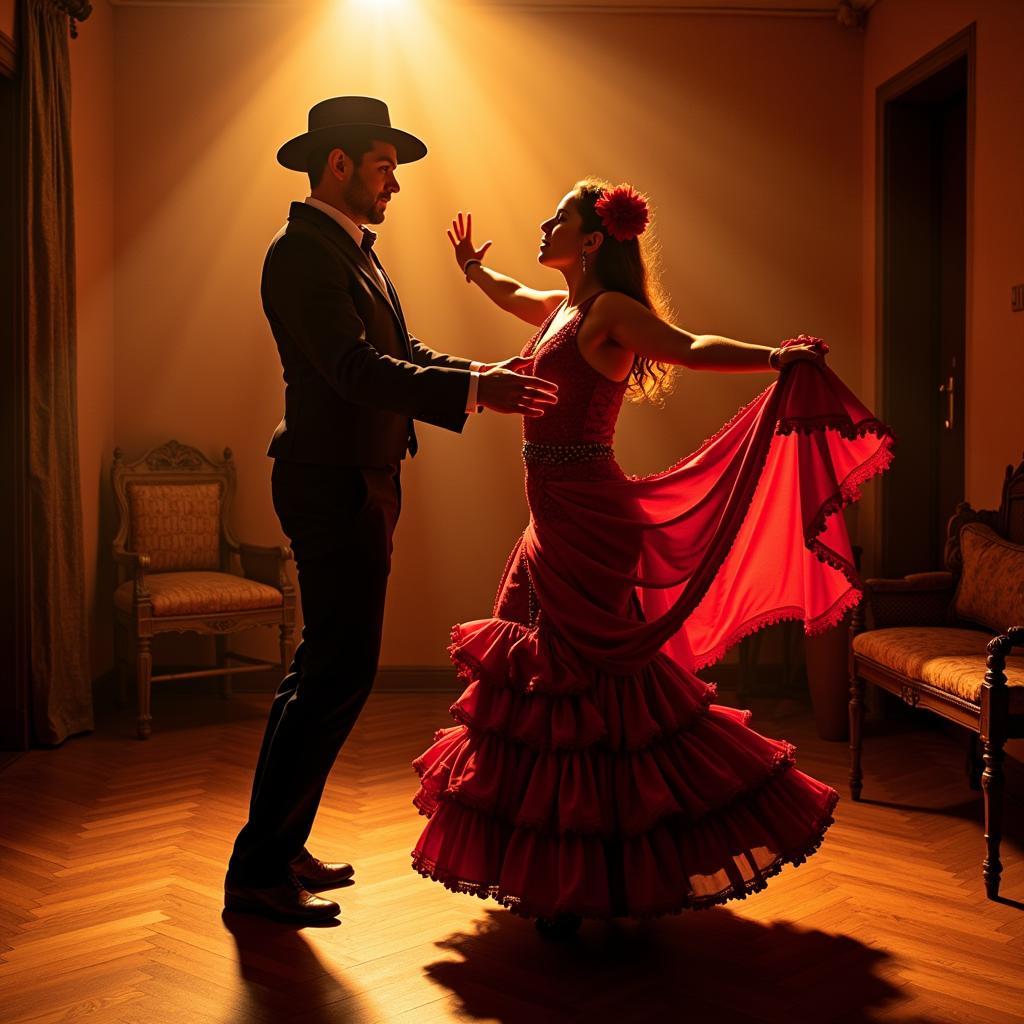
958 47
15 704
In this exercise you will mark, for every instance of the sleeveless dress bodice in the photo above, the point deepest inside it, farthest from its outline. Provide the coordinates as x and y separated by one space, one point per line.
588 402
573 440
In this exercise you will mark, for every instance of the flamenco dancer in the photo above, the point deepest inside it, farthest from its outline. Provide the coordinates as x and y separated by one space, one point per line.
590 773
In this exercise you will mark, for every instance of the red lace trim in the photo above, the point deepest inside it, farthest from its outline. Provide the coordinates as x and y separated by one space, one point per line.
842 425
812 628
430 869
849 491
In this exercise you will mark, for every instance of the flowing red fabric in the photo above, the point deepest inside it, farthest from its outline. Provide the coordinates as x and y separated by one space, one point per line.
591 771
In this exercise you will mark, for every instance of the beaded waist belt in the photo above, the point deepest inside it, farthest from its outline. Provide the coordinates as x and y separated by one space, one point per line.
556 454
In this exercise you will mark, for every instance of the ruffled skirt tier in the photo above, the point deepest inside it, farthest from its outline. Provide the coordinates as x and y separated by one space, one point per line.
567 789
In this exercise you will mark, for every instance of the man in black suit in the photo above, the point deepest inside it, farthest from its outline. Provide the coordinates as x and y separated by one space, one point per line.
355 380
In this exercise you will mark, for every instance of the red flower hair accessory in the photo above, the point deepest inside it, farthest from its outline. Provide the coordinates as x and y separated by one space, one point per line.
623 211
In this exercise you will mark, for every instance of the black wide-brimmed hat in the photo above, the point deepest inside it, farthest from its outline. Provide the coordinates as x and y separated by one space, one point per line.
337 119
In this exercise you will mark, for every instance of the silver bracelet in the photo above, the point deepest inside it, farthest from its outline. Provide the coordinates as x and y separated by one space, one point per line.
468 264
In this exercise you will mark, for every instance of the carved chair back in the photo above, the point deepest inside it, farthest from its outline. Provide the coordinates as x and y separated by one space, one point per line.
1012 507
173 504
1007 520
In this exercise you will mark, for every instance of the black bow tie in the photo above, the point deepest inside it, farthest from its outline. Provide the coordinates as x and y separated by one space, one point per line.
369 237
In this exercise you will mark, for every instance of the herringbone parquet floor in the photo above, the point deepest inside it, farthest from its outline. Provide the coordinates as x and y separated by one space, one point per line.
112 854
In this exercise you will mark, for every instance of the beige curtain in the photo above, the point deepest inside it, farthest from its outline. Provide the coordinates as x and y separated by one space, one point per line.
61 690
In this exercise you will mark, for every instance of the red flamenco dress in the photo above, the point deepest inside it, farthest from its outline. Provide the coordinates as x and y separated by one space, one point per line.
591 773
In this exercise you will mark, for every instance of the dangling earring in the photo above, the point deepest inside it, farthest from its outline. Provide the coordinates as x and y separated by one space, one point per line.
584 262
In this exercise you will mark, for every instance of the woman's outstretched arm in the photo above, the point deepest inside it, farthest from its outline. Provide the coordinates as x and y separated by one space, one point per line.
634 327
528 304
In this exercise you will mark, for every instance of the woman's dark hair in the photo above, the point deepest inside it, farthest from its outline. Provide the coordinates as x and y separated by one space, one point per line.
631 268
356 145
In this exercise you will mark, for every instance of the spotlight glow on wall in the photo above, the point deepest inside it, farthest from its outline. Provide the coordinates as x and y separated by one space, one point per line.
382 5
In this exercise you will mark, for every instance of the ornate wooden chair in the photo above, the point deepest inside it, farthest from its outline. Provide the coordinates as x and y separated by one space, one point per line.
928 638
181 568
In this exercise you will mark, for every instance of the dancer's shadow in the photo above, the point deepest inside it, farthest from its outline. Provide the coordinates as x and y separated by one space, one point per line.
283 978
705 966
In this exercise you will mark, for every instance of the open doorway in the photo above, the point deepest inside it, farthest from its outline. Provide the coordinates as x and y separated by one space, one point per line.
924 118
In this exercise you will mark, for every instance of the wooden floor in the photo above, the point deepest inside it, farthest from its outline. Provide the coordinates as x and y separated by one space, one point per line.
112 855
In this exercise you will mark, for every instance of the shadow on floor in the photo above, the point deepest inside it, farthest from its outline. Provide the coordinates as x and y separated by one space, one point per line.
282 977
969 809
702 966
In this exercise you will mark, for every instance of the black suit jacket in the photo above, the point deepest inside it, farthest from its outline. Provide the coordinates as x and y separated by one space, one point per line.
354 377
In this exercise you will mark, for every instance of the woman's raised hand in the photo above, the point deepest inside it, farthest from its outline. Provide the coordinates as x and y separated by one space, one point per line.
461 237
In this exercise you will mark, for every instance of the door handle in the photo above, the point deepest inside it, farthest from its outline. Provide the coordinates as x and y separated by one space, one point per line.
948 390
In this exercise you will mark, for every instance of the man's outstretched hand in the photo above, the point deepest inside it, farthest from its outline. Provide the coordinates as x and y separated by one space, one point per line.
507 391
517 364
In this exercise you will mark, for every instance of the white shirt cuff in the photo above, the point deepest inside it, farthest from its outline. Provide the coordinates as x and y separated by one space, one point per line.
474 388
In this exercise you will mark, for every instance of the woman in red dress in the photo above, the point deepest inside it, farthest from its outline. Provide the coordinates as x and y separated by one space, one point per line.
590 773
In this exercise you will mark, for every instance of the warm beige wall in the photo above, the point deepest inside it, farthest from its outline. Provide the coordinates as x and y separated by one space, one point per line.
899 34
92 141
745 131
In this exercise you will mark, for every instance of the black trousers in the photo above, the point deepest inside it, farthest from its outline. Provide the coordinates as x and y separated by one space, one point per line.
340 521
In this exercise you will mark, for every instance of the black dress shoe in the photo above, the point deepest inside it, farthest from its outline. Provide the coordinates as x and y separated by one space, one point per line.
288 901
315 876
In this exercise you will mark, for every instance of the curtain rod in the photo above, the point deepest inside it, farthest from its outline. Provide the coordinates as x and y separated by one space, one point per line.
76 10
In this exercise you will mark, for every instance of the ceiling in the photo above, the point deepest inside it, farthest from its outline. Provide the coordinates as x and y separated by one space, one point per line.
792 7
778 8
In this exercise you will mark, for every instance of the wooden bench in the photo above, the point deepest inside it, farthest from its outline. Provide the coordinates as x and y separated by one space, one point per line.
943 641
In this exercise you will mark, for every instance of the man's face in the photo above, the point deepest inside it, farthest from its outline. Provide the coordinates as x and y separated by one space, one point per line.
372 183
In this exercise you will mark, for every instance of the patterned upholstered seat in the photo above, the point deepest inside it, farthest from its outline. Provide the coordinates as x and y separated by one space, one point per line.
951 660
200 593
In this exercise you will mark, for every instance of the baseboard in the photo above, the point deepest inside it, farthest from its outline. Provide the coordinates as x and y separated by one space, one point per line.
444 679
104 687
416 679
768 682
390 679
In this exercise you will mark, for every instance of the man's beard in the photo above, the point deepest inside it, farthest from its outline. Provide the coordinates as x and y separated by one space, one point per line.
359 199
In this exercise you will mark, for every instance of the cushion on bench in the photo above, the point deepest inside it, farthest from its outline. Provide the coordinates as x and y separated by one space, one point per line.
991 588
952 660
